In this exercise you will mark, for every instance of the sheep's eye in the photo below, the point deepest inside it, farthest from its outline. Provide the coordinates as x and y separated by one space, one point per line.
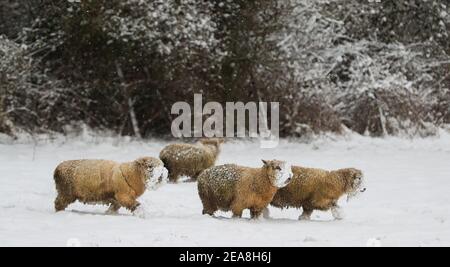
278 168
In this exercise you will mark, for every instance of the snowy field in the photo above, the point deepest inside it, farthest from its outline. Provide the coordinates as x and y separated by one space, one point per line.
407 202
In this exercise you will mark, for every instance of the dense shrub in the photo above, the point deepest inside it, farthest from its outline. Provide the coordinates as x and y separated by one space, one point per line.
31 100
372 84
15 15
14 67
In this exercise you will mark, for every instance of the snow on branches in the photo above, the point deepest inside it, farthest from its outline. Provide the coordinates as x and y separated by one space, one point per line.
374 87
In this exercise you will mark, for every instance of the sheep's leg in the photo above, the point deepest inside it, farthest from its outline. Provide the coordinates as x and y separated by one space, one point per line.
328 204
306 215
208 212
237 211
113 208
62 202
64 193
255 213
337 212
127 201
266 213
208 202
237 214
208 208
173 177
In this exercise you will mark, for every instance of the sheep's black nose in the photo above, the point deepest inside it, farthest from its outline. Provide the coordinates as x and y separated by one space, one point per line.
363 190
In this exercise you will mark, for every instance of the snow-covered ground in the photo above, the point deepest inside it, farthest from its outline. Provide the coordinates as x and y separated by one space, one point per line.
407 202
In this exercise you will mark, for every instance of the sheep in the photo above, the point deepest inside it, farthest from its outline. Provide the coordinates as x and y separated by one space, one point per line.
315 189
235 188
190 159
107 182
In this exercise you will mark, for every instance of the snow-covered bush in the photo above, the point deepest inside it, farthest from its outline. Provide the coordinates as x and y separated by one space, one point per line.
132 32
304 42
405 21
307 112
16 14
30 99
14 68
13 64
383 89
409 42
127 57
162 26
370 86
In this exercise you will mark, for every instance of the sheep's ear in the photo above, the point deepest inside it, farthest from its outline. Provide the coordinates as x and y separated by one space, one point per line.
266 163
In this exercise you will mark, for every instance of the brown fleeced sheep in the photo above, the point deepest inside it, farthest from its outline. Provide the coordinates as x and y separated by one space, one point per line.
315 189
106 182
236 188
190 159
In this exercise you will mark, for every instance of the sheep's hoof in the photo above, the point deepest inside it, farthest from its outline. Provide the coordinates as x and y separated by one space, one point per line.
304 217
209 213
111 212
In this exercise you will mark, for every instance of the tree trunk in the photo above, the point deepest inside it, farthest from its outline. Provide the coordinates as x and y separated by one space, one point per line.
4 127
130 102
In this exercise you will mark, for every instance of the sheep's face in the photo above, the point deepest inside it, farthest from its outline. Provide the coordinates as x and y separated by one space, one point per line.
156 173
279 172
356 182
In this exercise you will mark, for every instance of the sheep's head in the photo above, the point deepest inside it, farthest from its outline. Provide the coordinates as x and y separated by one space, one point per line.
156 173
217 142
355 180
279 172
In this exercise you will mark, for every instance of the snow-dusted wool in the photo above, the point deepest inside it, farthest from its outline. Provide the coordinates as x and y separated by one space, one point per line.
315 189
235 188
106 182
190 159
